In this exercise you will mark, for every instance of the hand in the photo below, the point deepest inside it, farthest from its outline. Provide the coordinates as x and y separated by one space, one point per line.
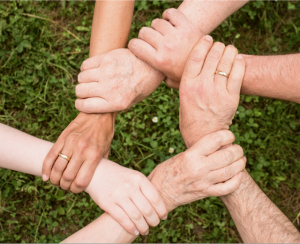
200 171
114 81
208 101
167 44
86 140
128 196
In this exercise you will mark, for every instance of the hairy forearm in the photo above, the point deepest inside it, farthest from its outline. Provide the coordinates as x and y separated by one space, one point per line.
207 15
257 218
111 26
272 76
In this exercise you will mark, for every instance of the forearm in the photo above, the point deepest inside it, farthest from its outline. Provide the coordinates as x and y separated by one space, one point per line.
111 26
256 217
207 15
25 153
272 76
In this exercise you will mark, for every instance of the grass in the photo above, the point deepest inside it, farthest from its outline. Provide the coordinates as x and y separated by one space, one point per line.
42 47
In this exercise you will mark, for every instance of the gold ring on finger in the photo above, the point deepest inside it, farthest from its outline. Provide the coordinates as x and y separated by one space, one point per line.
222 73
64 156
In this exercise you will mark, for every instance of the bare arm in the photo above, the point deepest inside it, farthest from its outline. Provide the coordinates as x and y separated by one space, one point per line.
272 76
207 15
256 217
111 26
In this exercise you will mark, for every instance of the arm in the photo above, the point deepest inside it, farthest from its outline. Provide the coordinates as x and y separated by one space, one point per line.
87 139
256 217
177 179
272 76
207 15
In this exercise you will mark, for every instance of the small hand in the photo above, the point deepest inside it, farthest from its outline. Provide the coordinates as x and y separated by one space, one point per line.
167 44
86 141
201 171
114 81
208 101
128 196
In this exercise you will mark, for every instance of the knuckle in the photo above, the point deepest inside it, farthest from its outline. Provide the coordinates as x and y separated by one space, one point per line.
160 60
148 210
136 215
228 156
82 145
68 176
214 55
217 137
59 165
81 182
155 199
228 172
225 62
196 56
169 47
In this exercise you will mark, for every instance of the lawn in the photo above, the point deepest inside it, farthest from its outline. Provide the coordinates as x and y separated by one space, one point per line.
42 47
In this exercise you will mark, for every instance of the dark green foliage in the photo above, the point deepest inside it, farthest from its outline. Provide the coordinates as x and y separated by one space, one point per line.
42 47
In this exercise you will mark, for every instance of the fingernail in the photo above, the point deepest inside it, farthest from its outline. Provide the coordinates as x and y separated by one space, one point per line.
165 217
239 56
133 43
171 10
208 37
45 177
240 175
136 232
147 233
245 159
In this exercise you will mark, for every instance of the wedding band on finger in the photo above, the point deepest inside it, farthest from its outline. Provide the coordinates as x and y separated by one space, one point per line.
222 73
64 156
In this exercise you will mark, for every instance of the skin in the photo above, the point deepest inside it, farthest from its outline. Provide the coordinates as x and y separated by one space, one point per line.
166 45
258 220
206 15
88 138
177 180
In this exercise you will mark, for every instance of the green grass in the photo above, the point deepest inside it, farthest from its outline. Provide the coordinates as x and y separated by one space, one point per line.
42 47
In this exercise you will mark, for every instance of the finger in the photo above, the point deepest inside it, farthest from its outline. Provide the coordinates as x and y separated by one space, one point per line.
151 36
212 60
91 75
135 215
146 209
91 63
154 198
236 76
60 165
143 51
226 173
212 142
70 172
94 105
122 218
224 157
84 175
51 158
197 57
162 26
175 17
222 189
225 65
89 90
172 84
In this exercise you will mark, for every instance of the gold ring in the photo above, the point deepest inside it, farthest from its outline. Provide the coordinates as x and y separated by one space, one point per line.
64 156
222 73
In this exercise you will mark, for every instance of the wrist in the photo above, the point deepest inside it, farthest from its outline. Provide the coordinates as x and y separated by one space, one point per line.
158 178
